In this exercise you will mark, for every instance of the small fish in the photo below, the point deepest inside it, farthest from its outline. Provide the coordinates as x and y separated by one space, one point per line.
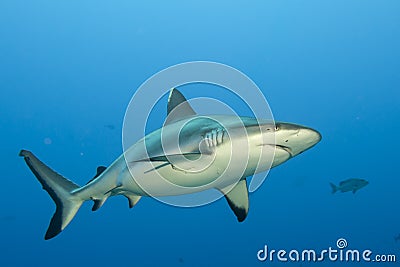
353 184
397 238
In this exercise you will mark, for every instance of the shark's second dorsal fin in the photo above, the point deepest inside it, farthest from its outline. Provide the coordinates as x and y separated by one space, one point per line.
238 199
99 171
178 107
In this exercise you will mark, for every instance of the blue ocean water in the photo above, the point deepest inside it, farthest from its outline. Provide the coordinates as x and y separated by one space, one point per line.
69 69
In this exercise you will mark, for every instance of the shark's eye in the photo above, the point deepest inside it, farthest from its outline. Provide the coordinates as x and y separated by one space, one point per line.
276 128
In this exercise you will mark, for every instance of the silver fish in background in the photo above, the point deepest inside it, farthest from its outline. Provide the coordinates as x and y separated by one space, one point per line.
352 184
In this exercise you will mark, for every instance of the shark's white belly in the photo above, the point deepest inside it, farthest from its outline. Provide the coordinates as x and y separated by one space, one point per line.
219 170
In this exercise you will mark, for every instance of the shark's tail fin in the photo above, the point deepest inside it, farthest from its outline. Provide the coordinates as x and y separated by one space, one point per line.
59 189
334 188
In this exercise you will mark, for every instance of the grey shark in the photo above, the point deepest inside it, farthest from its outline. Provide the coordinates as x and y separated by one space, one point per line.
348 185
189 154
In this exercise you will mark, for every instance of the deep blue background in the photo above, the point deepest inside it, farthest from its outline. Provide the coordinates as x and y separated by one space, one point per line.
69 68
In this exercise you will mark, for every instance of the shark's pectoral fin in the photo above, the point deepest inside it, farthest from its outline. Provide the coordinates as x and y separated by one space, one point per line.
176 157
238 199
174 160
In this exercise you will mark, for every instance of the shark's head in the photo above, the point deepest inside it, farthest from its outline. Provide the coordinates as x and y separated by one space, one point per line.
291 140
295 139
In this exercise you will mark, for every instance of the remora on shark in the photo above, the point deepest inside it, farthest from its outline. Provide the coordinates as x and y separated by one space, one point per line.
195 152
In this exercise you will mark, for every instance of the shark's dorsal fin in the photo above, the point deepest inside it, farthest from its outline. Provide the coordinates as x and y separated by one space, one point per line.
178 107
238 199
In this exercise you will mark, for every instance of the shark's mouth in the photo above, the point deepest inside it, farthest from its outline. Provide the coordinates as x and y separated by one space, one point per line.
286 148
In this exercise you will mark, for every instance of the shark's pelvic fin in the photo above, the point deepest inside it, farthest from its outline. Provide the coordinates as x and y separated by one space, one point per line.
238 199
178 108
132 199
59 189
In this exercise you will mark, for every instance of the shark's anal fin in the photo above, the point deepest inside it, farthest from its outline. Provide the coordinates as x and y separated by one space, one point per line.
98 203
178 107
238 199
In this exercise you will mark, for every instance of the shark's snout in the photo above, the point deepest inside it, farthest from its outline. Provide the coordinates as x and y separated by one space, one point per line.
310 136
295 137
